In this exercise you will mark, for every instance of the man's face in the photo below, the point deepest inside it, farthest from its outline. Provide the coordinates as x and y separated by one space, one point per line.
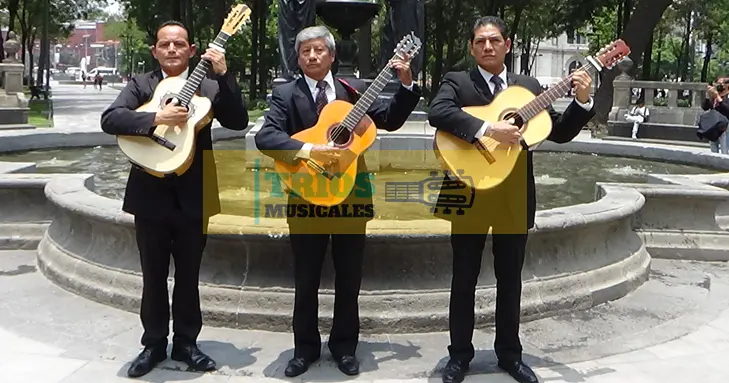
315 59
172 50
489 47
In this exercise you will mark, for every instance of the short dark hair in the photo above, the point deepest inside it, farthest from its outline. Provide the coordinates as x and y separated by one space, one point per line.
167 24
489 20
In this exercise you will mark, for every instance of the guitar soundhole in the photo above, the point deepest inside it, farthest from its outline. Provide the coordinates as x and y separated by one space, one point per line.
340 135
518 121
168 98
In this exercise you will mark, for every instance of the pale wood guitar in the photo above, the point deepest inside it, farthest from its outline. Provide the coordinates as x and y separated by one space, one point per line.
488 162
345 126
171 149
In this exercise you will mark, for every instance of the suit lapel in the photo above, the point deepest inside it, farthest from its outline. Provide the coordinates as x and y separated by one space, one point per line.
305 104
481 85
341 93
511 79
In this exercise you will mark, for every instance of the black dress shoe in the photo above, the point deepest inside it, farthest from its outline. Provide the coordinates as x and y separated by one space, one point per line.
297 366
519 371
146 360
195 359
454 371
348 364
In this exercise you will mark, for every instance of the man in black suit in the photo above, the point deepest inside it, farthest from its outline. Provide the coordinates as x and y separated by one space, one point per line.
293 108
170 216
716 98
508 209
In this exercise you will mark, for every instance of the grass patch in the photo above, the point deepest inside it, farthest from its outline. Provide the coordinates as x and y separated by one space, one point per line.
38 114
254 114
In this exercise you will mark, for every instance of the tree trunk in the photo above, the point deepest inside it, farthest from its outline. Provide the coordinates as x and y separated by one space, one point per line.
262 67
657 72
627 10
646 75
176 7
637 32
437 71
707 57
253 88
619 20
453 36
518 9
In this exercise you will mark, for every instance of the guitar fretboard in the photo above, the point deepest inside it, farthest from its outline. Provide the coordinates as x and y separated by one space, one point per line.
541 102
195 79
369 97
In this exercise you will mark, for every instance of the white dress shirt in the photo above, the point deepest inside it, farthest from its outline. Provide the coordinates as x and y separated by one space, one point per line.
504 84
183 74
305 150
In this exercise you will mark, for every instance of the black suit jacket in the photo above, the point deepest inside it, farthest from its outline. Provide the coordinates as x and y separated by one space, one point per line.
149 196
460 89
722 107
292 109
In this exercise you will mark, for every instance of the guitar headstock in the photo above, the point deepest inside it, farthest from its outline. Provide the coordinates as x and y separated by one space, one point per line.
612 53
237 16
409 45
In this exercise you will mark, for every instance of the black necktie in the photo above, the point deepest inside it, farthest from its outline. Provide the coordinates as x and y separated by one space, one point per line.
497 84
321 96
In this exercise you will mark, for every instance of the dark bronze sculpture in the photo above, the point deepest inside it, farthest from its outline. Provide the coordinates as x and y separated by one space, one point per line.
403 16
293 16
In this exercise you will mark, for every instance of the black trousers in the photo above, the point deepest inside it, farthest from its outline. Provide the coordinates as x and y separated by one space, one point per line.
508 250
347 253
183 238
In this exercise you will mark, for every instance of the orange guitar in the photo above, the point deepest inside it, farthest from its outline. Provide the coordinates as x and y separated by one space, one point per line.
344 126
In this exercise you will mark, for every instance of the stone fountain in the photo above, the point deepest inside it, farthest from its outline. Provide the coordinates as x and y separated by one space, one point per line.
346 16
13 104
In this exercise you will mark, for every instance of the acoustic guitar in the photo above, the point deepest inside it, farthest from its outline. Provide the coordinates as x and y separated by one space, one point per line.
488 162
171 149
341 125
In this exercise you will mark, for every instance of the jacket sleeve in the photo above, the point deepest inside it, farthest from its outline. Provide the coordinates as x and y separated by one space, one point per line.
273 139
445 111
566 126
121 117
392 115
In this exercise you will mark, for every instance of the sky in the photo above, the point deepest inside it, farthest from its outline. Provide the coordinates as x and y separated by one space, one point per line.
113 7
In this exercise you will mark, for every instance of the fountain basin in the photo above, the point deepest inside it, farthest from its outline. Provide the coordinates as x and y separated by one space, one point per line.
346 15
578 256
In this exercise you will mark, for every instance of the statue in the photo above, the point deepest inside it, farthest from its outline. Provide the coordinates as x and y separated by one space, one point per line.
403 16
293 16
11 47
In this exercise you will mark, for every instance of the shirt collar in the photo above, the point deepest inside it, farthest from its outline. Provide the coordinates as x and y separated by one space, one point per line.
328 78
183 74
487 75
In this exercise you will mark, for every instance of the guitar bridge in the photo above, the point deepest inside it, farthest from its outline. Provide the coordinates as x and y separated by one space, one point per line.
485 152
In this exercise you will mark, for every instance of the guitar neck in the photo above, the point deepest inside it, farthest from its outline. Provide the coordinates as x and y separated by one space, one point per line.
201 70
369 97
541 102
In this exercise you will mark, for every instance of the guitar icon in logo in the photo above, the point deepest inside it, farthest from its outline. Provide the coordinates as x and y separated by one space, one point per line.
434 191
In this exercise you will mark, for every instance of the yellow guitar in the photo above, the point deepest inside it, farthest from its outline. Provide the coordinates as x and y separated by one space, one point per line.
488 162
171 149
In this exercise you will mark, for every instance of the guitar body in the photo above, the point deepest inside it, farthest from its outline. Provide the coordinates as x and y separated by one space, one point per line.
307 181
156 159
488 164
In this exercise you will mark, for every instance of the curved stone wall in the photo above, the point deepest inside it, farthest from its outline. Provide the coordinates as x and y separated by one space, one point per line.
577 257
